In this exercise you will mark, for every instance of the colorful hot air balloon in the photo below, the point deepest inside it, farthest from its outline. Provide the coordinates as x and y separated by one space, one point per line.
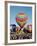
21 19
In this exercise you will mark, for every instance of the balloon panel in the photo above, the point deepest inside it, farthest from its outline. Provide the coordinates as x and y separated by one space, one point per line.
21 19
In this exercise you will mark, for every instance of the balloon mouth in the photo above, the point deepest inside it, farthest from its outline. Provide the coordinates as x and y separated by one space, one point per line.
21 26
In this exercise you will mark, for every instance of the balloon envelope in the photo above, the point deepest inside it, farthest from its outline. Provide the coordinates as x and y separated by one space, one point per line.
21 19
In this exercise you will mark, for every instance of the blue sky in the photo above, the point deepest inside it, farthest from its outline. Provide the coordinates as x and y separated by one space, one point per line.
14 10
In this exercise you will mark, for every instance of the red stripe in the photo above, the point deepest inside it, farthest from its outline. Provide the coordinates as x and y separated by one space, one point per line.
21 19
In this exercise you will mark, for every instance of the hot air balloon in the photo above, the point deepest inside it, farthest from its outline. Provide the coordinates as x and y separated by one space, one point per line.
21 19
